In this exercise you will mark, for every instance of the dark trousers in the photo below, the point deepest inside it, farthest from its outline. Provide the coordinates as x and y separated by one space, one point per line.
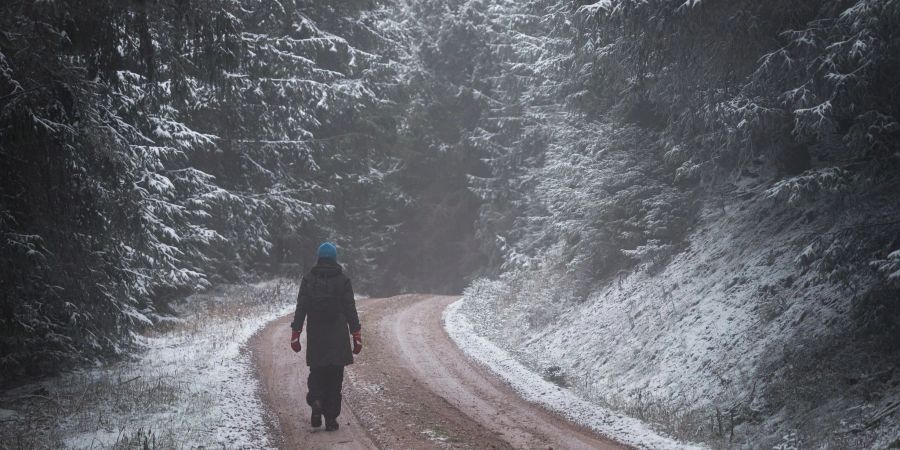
324 385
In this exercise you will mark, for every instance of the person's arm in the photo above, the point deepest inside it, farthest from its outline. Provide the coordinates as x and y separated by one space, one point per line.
299 317
300 311
350 309
352 318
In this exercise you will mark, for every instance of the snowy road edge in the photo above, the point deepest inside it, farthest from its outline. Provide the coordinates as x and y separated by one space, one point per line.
533 388
243 408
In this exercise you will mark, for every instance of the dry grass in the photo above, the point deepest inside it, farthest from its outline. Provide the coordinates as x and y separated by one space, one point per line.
93 402
136 402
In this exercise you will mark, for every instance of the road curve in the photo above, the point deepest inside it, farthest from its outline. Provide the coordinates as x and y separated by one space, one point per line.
410 388
282 375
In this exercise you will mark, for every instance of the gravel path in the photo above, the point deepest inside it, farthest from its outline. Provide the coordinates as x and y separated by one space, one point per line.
410 388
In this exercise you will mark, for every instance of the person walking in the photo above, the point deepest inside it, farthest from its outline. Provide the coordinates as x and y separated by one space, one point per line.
327 305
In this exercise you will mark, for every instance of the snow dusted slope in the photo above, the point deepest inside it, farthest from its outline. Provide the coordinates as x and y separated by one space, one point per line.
732 341
535 389
190 386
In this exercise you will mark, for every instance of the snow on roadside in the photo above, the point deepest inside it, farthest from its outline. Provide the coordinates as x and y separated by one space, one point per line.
534 388
190 386
212 361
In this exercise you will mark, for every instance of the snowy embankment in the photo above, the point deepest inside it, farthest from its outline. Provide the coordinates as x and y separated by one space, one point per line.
190 385
733 341
536 389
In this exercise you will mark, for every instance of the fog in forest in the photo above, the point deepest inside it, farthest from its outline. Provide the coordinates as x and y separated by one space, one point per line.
684 212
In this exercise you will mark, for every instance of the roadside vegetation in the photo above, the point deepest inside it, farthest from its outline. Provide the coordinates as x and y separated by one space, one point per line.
189 384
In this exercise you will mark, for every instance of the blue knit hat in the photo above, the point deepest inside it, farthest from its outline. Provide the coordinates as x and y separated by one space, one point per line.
327 250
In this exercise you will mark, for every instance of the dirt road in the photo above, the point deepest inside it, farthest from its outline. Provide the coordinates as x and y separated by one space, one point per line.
410 388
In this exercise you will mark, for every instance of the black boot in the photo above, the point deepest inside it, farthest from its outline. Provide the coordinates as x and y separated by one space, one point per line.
316 419
331 424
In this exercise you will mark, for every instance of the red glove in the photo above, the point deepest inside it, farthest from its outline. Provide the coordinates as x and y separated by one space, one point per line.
295 340
357 342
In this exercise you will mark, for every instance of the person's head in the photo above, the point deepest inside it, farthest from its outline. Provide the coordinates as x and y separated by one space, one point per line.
327 251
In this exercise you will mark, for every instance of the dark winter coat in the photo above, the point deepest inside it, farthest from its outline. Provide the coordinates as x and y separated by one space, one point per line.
326 303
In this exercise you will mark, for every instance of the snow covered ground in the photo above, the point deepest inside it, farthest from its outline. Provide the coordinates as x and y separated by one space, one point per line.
732 342
536 389
190 385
